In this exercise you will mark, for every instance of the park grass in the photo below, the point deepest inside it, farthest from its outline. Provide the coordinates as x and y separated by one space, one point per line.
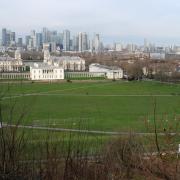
104 106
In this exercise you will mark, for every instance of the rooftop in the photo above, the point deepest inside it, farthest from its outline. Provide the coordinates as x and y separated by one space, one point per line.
67 58
6 58
106 67
42 65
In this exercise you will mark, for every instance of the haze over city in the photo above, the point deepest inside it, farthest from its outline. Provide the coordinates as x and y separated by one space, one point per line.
116 20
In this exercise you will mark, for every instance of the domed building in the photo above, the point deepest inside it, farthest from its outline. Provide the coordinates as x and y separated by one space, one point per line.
9 64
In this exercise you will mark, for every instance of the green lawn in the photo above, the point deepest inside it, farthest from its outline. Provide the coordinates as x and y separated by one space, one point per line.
109 106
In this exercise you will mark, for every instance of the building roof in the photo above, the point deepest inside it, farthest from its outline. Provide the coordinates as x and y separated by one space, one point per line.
106 67
7 58
67 58
42 65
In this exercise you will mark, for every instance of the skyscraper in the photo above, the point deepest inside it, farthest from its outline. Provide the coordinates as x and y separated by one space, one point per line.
83 42
39 40
75 43
97 43
27 40
45 35
13 38
20 42
4 37
80 42
66 40
8 38
33 37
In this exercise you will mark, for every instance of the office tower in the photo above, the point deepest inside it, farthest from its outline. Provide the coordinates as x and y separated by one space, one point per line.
39 42
60 39
33 37
45 35
27 38
20 42
83 42
12 38
4 37
8 38
80 42
75 43
66 40
53 47
30 45
53 36
96 43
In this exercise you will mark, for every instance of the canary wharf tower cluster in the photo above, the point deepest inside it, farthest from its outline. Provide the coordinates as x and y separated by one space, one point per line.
58 62
59 41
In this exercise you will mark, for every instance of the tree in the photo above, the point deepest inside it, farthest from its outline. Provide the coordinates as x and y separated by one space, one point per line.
135 71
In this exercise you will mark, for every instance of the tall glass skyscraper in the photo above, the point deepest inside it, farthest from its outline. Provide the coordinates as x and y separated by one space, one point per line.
4 41
66 40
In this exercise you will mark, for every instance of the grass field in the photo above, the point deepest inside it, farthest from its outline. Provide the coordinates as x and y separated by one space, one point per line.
106 106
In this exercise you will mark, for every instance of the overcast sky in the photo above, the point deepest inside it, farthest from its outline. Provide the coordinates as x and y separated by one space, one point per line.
116 20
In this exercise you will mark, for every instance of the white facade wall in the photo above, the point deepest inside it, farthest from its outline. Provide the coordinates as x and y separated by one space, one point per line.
10 65
46 73
70 64
110 73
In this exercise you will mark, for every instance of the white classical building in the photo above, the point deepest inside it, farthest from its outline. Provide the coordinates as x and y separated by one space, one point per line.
44 71
52 68
67 62
8 64
70 63
110 72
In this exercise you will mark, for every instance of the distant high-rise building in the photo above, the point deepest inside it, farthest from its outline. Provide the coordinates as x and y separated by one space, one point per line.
20 42
4 37
39 41
75 43
12 38
97 43
66 40
80 42
27 38
30 45
33 37
8 38
53 46
45 35
60 36
53 36
83 42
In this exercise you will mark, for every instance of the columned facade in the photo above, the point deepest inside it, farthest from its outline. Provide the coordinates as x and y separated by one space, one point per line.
15 76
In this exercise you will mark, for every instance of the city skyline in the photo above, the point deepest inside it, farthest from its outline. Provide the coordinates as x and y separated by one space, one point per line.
128 21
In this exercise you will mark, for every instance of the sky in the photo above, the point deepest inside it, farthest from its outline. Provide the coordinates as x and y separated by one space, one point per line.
116 20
